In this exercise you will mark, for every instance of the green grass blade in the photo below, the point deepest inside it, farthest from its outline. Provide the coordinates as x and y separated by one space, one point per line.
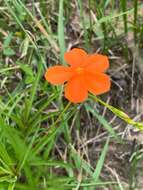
15 140
100 162
61 36
135 20
33 90
124 9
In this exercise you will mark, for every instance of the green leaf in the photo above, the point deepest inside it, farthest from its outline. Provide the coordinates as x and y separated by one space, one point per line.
4 155
7 40
27 69
11 186
80 162
29 79
28 73
8 51
100 162
24 47
14 139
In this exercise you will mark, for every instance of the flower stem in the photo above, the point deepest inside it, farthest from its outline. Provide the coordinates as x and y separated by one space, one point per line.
119 113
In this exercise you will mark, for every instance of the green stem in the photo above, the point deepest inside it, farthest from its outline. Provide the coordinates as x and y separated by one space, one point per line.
124 9
135 20
119 113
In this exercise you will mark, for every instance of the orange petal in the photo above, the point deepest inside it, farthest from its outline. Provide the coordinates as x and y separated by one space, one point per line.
58 74
98 83
97 62
75 57
75 90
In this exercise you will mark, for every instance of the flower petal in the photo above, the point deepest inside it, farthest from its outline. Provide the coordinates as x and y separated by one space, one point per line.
75 90
97 62
98 83
75 57
58 74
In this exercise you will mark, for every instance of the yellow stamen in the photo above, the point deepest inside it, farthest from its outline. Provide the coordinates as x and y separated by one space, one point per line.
79 70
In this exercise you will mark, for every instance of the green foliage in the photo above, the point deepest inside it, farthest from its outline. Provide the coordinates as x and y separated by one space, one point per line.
6 46
40 133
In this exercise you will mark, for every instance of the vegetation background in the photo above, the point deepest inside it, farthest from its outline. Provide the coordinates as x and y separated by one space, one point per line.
45 144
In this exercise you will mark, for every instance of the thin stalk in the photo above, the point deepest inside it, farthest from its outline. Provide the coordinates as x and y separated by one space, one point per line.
119 113
61 35
90 22
124 9
135 20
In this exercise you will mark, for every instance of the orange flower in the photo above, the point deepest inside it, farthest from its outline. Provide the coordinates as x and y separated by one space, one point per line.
85 74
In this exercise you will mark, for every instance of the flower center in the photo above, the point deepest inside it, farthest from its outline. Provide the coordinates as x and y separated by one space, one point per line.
79 70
